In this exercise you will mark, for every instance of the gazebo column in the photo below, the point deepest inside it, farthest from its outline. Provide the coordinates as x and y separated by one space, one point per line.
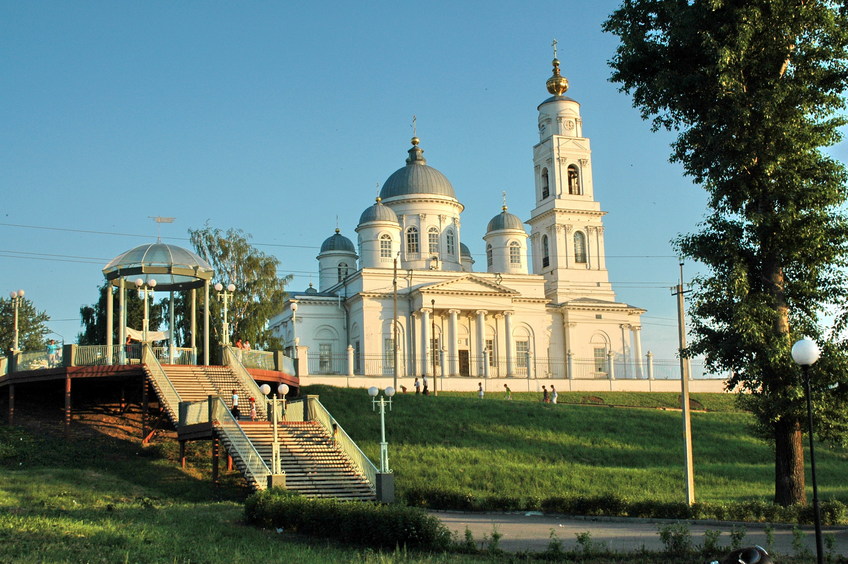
194 325
110 322
171 340
206 323
122 319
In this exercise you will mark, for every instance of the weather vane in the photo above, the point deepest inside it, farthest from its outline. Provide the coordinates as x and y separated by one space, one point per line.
504 199
414 131
554 45
159 221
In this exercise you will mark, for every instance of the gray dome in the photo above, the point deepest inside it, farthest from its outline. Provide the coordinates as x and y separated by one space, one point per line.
173 268
338 242
417 178
464 251
505 220
378 212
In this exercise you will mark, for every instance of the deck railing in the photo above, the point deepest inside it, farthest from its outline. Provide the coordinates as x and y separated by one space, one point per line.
182 355
164 387
255 469
263 360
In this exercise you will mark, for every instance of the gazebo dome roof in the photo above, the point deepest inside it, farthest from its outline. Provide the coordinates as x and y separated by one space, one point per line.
173 267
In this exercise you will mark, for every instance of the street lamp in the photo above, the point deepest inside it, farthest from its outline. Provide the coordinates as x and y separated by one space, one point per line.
805 353
146 288
17 297
382 402
283 389
225 296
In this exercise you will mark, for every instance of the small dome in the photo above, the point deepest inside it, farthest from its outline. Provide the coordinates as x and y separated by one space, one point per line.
173 267
505 220
417 178
338 242
378 212
464 251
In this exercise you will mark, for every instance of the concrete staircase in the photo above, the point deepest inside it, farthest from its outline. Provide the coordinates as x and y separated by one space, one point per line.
195 383
313 464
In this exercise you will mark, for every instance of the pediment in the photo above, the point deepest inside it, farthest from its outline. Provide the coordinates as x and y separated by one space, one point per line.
468 285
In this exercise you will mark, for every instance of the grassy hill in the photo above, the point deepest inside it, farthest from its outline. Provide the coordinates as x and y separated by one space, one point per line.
459 443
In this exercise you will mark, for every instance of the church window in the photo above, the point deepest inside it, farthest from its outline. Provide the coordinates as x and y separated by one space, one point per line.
343 270
450 242
573 180
546 188
325 358
546 256
600 359
522 352
389 352
433 240
489 259
385 246
580 247
412 241
515 253
490 346
357 359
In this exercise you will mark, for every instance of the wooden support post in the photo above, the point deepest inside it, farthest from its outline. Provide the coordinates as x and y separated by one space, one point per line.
67 404
144 407
229 462
11 404
215 448
183 454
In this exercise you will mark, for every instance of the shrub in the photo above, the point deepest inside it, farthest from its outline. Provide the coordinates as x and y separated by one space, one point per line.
676 539
368 524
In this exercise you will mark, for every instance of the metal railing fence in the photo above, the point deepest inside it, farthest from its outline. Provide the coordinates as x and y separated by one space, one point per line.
168 394
238 443
182 355
327 363
262 360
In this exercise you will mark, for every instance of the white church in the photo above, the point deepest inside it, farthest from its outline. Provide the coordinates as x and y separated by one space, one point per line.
408 293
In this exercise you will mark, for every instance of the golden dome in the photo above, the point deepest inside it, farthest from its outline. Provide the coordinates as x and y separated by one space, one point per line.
557 84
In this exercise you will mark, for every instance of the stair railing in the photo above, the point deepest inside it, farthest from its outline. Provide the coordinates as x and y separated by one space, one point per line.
165 389
342 440
231 359
239 443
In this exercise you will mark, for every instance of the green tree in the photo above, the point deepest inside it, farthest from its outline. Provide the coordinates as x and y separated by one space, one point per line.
32 327
259 292
93 317
754 89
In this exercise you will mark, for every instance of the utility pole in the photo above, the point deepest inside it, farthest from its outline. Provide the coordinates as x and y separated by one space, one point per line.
684 395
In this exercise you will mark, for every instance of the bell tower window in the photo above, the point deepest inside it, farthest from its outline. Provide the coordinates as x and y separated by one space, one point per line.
580 247
450 243
412 241
546 260
515 253
573 181
489 259
385 246
546 187
343 270
433 240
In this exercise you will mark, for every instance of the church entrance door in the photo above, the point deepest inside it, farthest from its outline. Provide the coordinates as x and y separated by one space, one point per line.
464 363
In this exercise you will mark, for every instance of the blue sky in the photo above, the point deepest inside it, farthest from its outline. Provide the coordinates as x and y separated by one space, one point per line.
280 117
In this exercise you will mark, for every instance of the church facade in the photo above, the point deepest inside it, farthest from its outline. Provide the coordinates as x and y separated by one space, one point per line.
408 293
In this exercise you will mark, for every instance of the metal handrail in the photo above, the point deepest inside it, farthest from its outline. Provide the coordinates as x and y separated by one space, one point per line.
232 360
343 440
242 447
194 412
263 360
168 394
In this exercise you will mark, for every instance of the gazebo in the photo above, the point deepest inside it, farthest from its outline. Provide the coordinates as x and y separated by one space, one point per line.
163 267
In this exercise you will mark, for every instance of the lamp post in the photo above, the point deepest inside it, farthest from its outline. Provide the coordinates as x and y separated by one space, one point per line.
224 296
146 288
382 402
805 353
294 329
17 297
276 469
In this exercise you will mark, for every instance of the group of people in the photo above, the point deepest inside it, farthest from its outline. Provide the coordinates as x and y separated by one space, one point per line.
549 397
244 345
237 412
418 385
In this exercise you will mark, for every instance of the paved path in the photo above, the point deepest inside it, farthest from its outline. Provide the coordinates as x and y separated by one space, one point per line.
532 532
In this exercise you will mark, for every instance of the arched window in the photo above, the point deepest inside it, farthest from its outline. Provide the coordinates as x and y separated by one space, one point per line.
450 243
412 240
546 256
433 240
546 187
385 246
573 180
343 268
489 259
514 253
579 247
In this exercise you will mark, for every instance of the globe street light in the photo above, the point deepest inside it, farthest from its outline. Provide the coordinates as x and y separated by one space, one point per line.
146 288
224 296
382 402
16 302
805 353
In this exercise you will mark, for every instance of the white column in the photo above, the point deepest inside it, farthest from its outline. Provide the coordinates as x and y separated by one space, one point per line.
510 345
570 365
637 349
350 360
453 352
486 354
109 318
611 364
650 365
442 361
481 340
625 346
425 342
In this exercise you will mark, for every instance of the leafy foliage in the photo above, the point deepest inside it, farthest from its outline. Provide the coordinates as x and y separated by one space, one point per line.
259 292
93 316
755 90
32 327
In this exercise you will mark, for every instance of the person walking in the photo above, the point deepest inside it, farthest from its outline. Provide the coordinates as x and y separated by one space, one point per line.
235 410
508 392
417 385
480 390
554 394
545 395
426 390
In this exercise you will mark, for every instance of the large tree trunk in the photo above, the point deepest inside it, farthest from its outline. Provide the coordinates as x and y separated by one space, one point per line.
789 485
